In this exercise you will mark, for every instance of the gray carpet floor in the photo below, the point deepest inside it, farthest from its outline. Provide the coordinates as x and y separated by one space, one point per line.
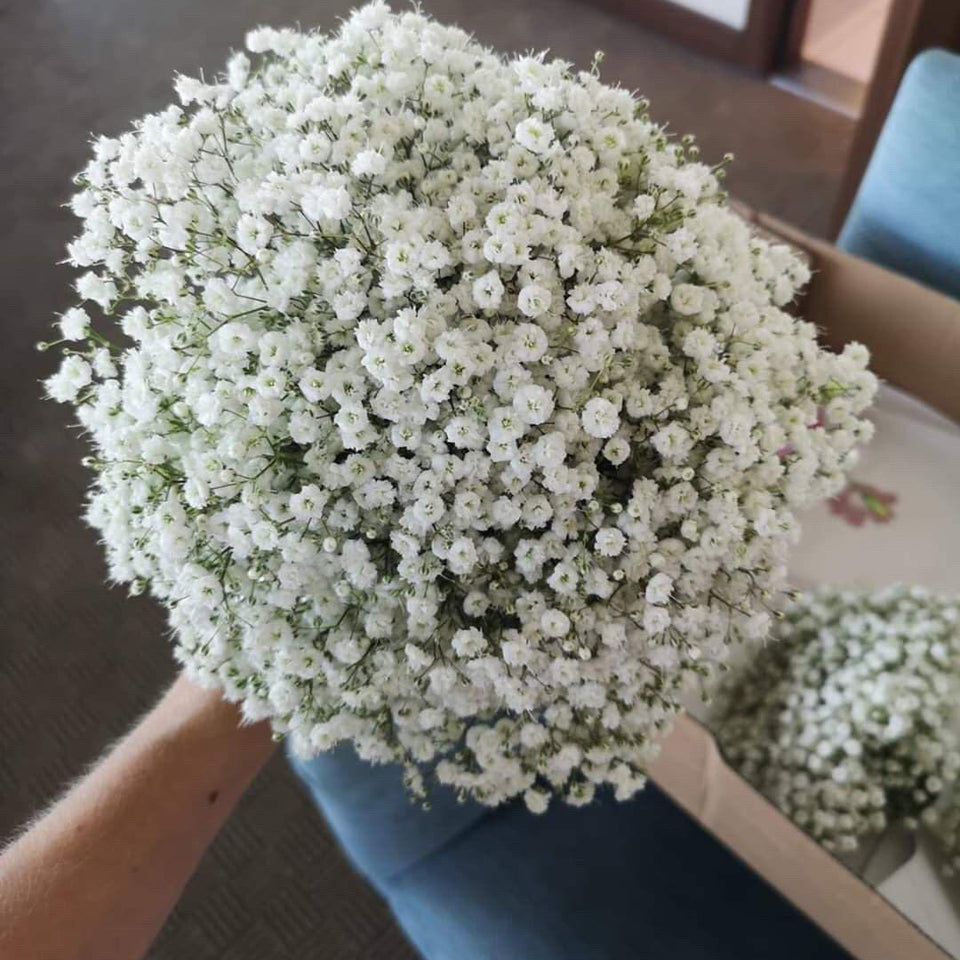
79 661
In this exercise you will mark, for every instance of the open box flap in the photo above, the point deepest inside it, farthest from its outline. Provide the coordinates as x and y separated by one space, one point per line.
913 332
692 771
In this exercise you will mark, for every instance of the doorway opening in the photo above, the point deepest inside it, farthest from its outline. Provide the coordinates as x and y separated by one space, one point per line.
832 51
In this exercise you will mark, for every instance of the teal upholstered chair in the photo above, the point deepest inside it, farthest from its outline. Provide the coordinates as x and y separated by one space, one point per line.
613 881
906 215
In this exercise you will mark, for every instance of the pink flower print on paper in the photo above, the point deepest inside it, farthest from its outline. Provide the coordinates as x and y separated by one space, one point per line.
859 502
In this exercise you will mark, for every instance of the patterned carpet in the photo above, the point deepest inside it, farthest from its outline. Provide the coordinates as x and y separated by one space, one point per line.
78 661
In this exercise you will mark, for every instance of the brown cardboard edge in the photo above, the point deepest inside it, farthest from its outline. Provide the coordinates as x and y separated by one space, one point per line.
912 331
691 770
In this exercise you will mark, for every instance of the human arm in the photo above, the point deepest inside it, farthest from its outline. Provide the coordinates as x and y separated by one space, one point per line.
95 877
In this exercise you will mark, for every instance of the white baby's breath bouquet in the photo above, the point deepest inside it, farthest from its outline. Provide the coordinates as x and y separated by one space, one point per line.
846 722
455 416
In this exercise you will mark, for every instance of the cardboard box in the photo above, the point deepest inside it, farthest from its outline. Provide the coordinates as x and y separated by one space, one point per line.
692 771
913 333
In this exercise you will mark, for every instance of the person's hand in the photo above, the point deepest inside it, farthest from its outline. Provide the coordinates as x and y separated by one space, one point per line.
96 875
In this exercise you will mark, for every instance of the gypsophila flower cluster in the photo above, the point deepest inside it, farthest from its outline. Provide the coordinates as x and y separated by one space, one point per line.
942 820
845 721
461 419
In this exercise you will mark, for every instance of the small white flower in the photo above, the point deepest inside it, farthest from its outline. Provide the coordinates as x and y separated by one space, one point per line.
92 286
235 339
600 418
534 300
330 203
658 589
462 555
534 134
533 404
468 643
530 342
555 623
616 450
673 442
74 324
488 290
368 163
643 206
537 801
687 299
610 542
655 620
65 385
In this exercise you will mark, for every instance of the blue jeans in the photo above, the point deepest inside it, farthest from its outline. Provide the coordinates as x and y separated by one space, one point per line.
612 881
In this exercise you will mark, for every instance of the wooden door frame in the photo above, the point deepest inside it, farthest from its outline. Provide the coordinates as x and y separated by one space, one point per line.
755 48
